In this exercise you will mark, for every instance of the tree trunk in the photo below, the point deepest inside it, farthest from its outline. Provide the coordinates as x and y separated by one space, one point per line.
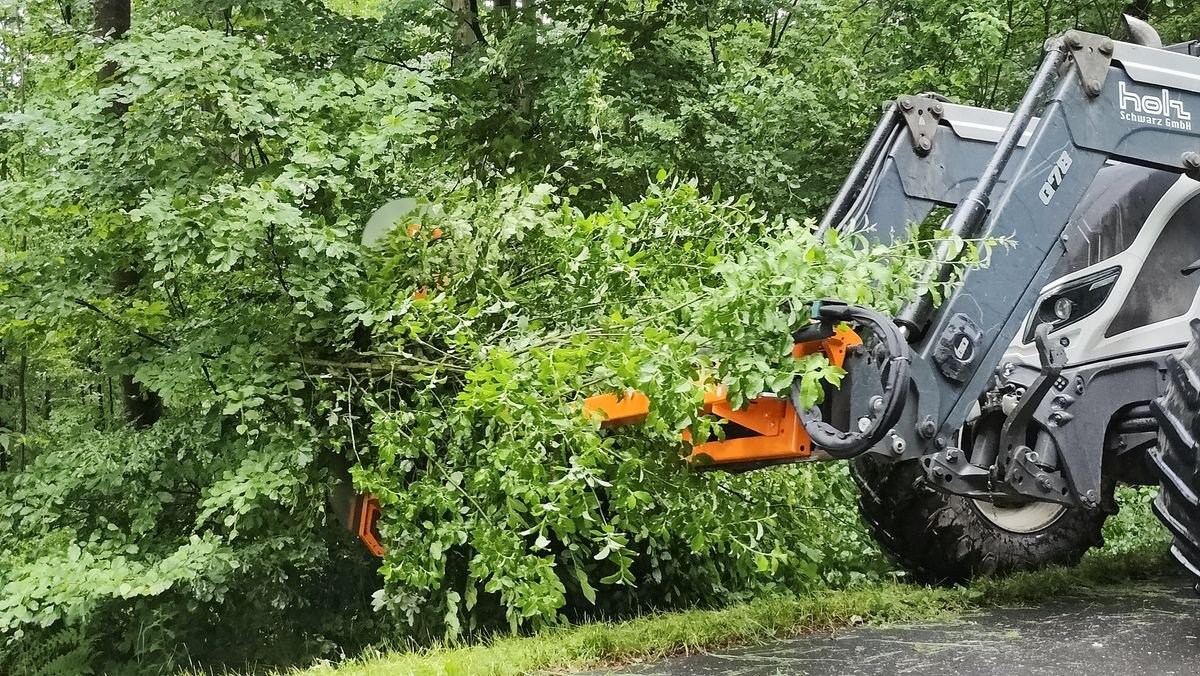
22 369
111 23
112 18
467 31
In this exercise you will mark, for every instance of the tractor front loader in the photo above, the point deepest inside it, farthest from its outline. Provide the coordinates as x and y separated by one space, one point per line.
987 432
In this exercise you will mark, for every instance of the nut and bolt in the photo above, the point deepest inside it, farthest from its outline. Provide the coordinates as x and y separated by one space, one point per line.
1093 87
1032 456
1043 481
1106 47
953 455
925 144
898 445
1072 40
864 424
937 108
906 103
927 428
1091 499
940 443
1191 160
876 404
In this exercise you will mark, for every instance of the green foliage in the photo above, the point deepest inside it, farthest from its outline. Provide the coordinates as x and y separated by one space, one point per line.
60 652
499 497
186 232
1134 527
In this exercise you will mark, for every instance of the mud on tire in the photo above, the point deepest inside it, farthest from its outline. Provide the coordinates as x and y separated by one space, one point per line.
1177 458
943 538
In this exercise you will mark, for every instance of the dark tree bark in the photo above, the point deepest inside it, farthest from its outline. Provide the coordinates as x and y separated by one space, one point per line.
142 407
22 370
111 23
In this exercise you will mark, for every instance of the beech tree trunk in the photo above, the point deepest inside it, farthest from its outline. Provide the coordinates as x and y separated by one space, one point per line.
142 407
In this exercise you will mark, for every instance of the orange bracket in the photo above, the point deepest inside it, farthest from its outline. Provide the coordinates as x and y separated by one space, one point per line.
765 430
364 521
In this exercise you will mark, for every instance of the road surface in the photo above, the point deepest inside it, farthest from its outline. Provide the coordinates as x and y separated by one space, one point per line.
1147 629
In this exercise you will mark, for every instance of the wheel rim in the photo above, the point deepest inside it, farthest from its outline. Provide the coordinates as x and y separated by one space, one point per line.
1028 518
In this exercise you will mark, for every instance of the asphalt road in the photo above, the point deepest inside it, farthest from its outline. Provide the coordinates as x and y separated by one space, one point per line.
1147 629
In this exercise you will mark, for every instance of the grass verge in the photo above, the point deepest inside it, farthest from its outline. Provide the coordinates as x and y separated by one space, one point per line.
659 635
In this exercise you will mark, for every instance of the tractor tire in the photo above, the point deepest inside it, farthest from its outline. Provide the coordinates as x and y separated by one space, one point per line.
1177 458
942 538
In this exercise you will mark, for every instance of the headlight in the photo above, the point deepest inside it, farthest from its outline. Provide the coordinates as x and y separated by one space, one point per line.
1062 308
1073 301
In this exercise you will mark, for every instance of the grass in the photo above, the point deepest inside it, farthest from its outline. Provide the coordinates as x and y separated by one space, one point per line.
600 645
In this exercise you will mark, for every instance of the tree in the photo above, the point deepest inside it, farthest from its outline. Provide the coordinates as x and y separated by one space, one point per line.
111 22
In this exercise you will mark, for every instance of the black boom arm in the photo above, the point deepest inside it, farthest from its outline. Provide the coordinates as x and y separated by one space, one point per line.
1092 101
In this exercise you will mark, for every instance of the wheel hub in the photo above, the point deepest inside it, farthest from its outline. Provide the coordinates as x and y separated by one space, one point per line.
1030 517
1016 516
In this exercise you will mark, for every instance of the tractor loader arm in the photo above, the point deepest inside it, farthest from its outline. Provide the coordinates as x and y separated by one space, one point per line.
1092 102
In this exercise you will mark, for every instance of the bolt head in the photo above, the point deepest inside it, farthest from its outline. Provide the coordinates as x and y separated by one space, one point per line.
906 103
876 404
926 144
1106 47
937 109
1072 40
1191 160
927 428
1093 87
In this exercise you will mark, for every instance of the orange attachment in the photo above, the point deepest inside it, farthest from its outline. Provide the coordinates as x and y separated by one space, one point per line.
364 521
765 430
630 408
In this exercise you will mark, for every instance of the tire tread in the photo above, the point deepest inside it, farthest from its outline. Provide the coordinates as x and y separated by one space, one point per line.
942 538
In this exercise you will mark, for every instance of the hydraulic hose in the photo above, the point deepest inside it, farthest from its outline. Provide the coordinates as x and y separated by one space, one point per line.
845 444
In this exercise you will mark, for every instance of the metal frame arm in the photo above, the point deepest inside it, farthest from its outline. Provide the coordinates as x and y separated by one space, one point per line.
1092 101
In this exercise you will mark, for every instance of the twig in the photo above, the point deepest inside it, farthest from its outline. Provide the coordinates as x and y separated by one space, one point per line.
102 313
398 64
592 23
374 367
